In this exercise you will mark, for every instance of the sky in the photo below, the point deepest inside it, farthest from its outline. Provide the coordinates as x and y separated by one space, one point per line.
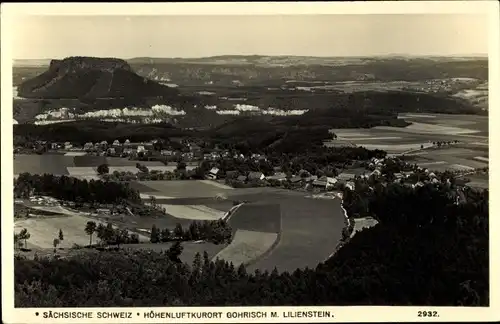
53 37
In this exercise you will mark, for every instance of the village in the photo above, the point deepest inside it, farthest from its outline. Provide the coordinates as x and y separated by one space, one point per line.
187 160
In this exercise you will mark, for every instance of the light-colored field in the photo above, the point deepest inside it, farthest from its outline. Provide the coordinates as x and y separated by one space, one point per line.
195 212
403 116
54 209
131 169
370 138
81 171
423 128
432 163
361 223
180 188
148 196
75 153
482 158
247 246
216 184
44 230
169 168
461 167
394 148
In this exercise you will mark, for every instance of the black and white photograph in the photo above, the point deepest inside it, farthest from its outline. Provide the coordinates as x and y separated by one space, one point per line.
199 160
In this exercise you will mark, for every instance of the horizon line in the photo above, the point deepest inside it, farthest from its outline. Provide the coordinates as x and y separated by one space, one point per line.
464 55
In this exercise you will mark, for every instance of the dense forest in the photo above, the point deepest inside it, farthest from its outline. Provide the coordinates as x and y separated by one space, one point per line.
73 189
426 250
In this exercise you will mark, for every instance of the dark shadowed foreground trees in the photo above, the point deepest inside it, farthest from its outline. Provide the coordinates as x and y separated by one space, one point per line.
426 250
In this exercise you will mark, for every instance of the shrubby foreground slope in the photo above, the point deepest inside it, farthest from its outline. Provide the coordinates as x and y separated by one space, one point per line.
426 250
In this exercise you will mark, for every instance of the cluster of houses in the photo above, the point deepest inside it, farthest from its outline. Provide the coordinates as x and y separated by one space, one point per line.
303 179
43 201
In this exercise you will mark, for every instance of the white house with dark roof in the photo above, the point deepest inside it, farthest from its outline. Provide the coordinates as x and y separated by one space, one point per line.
345 176
212 174
324 182
350 184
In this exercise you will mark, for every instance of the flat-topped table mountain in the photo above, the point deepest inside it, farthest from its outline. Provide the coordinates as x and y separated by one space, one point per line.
91 78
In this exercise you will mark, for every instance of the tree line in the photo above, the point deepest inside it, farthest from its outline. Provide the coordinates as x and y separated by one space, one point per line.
74 189
216 231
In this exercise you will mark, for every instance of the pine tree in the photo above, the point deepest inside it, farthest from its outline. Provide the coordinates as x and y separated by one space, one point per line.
242 272
175 251
155 234
178 231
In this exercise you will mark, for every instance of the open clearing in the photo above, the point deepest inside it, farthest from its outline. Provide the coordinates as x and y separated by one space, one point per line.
179 188
81 171
148 196
482 158
361 223
216 184
75 154
44 230
247 246
424 128
131 169
193 212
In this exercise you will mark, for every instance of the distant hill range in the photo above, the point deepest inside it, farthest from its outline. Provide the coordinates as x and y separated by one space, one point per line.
91 78
266 60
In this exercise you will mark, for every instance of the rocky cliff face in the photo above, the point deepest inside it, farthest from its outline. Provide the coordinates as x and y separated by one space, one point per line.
91 78
81 63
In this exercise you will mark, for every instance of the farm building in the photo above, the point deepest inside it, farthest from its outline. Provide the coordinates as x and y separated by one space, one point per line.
212 174
418 184
324 182
88 146
67 145
345 176
351 185
310 178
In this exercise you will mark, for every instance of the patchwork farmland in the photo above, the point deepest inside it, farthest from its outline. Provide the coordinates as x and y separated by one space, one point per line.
273 228
417 140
